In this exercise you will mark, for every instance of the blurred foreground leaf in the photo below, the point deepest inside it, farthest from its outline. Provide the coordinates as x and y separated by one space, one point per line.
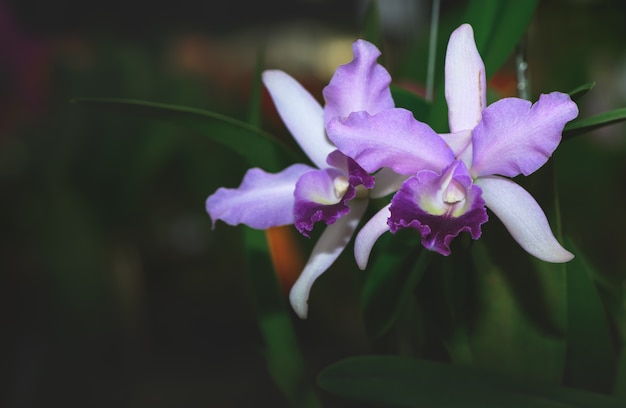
404 382
260 149
591 357
391 280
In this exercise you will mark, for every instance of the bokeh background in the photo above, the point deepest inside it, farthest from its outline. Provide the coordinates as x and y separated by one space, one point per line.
115 289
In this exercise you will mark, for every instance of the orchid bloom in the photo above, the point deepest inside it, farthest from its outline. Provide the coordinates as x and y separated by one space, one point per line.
336 191
454 176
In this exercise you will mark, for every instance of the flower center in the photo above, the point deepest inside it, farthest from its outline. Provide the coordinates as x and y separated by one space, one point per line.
341 185
453 193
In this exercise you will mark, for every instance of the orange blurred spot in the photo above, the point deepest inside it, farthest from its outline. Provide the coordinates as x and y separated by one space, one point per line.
286 256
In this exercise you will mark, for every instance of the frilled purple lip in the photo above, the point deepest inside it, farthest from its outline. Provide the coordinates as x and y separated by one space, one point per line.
323 195
419 205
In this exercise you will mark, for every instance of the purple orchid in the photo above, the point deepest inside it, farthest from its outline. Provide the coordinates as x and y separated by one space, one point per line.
454 176
336 192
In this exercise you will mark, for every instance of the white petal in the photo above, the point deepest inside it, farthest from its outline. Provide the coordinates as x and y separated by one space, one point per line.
523 218
301 113
330 245
369 234
387 182
466 86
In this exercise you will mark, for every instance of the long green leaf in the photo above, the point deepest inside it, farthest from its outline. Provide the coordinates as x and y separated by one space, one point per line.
581 126
391 280
580 91
404 382
259 148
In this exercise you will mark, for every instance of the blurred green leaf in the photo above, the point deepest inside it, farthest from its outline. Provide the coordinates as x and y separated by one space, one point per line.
507 26
404 382
579 92
371 25
259 148
391 280
580 126
520 326
406 99
591 358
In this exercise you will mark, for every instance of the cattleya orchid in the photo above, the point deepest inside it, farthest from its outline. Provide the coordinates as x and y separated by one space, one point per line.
337 191
452 177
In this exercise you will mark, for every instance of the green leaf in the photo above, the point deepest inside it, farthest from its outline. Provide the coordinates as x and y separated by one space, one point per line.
580 126
371 25
510 24
259 148
591 358
579 92
391 280
406 99
521 302
404 382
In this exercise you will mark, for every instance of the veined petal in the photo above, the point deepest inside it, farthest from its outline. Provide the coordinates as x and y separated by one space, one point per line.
360 85
516 137
391 138
330 245
466 84
439 206
301 113
523 218
262 200
369 234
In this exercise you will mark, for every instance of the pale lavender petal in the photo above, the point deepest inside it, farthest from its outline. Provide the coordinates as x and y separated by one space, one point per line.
301 113
523 218
439 207
262 200
330 245
466 84
369 234
321 195
391 138
516 137
461 145
360 85
387 182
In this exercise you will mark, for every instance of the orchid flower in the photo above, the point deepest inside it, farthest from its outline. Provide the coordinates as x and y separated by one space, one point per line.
454 176
336 191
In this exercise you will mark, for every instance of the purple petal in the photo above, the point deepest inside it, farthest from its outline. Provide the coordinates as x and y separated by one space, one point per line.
262 200
523 218
301 113
357 176
439 207
391 138
330 245
361 85
461 145
321 195
465 80
516 137
369 234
